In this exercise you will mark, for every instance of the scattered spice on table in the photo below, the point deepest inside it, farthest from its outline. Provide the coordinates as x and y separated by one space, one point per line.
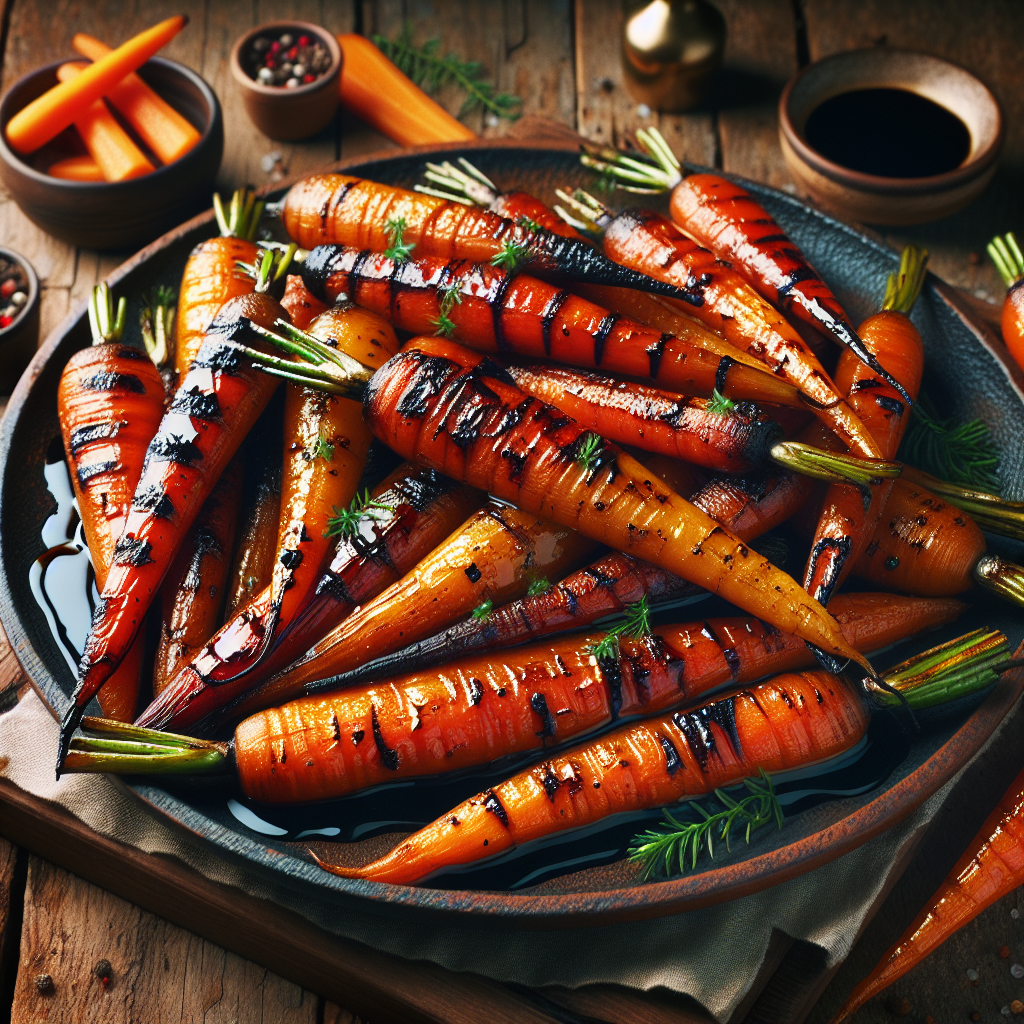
13 291
288 62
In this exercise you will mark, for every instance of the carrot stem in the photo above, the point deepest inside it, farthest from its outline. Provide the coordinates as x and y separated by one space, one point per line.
903 287
1009 260
833 466
989 511
1004 578
106 326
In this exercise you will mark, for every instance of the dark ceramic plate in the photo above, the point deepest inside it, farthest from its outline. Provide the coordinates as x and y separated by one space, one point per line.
585 879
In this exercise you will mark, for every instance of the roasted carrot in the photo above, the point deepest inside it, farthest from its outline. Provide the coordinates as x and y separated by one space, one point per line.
491 558
517 314
110 402
463 416
216 404
792 721
213 275
753 506
47 116
378 93
76 168
991 867
723 436
326 442
528 698
116 155
412 512
1009 261
326 208
193 594
302 307
168 134
850 514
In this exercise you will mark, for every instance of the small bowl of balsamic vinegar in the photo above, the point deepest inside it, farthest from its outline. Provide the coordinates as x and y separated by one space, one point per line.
890 137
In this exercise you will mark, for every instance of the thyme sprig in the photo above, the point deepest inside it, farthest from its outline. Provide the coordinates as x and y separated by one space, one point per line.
346 521
675 848
636 622
397 250
510 256
540 585
719 405
430 71
482 612
322 449
451 296
589 450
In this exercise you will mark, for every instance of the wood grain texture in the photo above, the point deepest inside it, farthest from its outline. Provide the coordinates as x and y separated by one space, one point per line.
11 889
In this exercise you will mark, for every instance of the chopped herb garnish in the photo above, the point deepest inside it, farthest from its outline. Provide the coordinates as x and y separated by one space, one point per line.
589 450
719 405
538 586
397 249
322 449
346 522
482 612
636 622
510 256
528 223
450 295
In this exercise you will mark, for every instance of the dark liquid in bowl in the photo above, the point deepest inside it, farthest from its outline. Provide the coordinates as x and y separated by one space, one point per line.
891 133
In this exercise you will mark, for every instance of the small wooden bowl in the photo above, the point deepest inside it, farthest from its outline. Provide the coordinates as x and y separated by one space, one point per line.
289 114
19 340
873 199
117 214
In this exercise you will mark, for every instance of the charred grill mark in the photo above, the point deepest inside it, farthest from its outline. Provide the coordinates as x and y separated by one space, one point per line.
333 586
798 274
476 691
419 491
839 548
554 304
494 805
549 781
334 203
154 499
113 381
732 659
655 351
866 383
318 267
425 383
672 760
539 703
611 672
473 573
773 238
892 405
198 404
724 365
695 727
495 298
604 328
171 448
571 601
92 469
388 757
94 432
133 551
205 543
217 355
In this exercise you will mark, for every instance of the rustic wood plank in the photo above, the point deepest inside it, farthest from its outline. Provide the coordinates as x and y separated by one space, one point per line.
12 883
334 1014
985 40
76 933
605 113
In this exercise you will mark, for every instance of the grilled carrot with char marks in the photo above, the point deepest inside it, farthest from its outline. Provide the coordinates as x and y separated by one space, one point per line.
193 593
514 314
1009 261
729 441
325 208
465 417
326 442
110 401
217 403
527 699
303 308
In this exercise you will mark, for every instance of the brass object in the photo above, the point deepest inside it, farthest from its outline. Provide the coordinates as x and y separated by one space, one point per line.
670 49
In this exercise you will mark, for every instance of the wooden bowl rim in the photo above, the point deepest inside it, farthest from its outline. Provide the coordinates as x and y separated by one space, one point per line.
33 291
524 910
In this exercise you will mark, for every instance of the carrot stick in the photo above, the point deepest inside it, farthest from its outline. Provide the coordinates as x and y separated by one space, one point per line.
117 157
76 168
52 112
169 135
378 93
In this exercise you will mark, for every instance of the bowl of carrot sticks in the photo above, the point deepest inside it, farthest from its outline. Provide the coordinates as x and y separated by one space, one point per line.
109 158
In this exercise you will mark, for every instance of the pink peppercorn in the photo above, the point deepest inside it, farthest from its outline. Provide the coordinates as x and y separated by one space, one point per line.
6 321
8 288
303 40
275 46
309 78
293 53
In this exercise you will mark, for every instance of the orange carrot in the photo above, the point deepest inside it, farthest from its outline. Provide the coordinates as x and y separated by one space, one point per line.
76 168
991 867
378 93
117 157
51 113
169 135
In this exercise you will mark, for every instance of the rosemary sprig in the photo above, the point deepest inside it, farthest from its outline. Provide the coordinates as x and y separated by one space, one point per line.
430 71
636 622
528 224
667 851
157 323
719 405
397 249
346 521
589 450
482 612
538 586
510 256
322 449
451 296
963 453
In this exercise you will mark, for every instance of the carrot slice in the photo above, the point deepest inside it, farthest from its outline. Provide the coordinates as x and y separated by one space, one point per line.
117 157
49 114
169 135
76 168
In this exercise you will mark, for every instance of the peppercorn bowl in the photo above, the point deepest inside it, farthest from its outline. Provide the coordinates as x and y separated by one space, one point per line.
19 329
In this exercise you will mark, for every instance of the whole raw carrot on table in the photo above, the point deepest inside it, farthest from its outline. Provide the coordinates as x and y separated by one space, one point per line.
110 402
168 134
48 115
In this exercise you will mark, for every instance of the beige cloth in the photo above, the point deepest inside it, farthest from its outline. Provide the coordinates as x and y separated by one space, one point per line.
684 953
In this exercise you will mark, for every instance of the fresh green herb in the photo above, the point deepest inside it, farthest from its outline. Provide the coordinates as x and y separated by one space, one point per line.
322 449
963 453
719 405
528 224
482 612
451 296
668 850
589 450
346 521
397 249
430 71
635 622
157 323
538 586
510 256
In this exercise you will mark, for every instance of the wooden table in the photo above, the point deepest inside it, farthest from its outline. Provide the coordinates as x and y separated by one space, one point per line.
563 60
